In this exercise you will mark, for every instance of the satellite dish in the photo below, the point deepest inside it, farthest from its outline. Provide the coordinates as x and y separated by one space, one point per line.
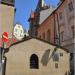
18 32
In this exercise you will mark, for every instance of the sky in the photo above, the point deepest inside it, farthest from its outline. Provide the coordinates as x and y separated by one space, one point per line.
23 10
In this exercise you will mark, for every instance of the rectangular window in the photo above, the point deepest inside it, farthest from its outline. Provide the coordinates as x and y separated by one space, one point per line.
40 36
48 35
56 57
15 30
56 65
70 5
21 31
62 36
43 35
60 15
71 56
61 54
73 31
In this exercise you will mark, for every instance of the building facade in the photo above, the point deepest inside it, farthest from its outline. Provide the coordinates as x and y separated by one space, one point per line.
6 17
35 18
61 26
6 25
64 17
33 56
46 26
65 28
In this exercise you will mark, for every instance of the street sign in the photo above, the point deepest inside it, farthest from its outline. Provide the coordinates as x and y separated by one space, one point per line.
5 37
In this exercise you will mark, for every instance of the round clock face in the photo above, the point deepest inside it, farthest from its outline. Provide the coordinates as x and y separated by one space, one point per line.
18 32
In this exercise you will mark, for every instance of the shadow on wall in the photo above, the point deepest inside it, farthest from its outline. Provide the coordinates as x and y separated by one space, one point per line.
45 57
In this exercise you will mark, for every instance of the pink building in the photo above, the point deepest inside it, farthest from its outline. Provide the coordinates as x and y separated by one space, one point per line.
65 31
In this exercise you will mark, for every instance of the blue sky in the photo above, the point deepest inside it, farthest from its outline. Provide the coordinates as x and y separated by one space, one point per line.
23 9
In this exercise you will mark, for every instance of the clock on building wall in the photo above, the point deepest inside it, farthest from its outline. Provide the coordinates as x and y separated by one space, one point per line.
18 32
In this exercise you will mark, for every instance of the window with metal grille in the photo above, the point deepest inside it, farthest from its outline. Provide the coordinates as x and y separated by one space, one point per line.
70 5
34 62
56 56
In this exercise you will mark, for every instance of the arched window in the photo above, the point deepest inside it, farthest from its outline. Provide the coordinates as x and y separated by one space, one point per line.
34 62
44 36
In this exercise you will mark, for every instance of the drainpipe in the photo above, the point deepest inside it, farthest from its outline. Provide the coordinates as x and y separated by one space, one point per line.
58 30
56 16
54 30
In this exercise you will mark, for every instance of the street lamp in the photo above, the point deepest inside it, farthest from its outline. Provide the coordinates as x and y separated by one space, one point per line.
2 57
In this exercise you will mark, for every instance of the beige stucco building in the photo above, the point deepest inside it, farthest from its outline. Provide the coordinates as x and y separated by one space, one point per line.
6 22
36 57
6 16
